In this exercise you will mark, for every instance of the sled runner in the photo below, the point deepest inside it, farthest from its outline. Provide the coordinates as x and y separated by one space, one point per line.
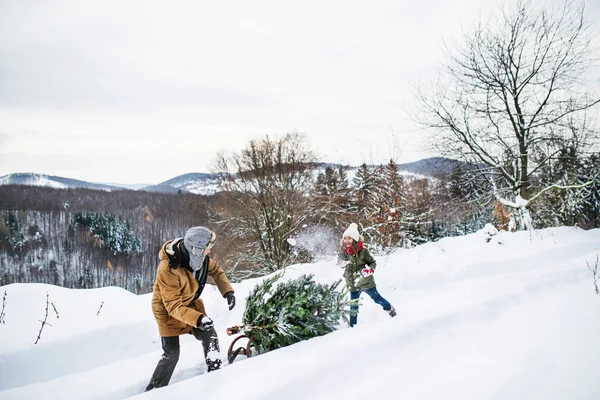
247 350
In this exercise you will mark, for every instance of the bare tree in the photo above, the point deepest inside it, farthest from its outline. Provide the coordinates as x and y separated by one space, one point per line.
268 181
513 95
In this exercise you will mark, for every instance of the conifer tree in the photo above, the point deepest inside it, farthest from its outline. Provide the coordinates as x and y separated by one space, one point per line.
590 207
331 203
299 309
364 185
380 199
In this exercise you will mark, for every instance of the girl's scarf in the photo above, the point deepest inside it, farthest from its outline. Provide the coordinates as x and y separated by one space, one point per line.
350 249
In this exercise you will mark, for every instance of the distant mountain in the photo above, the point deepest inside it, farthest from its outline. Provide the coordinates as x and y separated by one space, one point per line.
428 167
58 182
207 184
160 188
196 182
131 186
432 167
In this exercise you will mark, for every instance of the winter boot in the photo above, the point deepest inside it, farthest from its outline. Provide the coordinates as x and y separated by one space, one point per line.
392 312
210 342
213 365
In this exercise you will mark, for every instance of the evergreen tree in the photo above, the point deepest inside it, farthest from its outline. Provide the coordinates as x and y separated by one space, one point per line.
364 185
568 207
330 205
343 179
17 239
460 202
590 205
292 311
381 202
116 234
363 198
418 220
390 206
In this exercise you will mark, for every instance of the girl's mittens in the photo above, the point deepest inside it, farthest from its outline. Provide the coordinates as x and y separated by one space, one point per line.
367 271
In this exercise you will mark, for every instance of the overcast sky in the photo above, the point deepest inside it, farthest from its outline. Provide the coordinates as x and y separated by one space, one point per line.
142 91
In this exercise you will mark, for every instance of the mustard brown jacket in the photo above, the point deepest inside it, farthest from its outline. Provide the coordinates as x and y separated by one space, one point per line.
175 302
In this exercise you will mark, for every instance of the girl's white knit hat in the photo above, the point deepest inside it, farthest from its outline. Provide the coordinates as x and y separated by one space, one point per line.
352 232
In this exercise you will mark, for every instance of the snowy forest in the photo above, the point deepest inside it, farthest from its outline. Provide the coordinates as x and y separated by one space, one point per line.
513 104
279 207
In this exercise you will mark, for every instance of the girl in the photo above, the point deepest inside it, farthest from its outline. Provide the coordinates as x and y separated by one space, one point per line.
359 272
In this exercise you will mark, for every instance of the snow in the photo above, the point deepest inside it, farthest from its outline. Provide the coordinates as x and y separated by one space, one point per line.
204 187
513 318
31 179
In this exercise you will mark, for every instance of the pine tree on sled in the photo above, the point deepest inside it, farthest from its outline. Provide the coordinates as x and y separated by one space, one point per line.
292 311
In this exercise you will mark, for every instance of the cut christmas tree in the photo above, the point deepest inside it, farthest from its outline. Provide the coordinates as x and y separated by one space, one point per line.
291 311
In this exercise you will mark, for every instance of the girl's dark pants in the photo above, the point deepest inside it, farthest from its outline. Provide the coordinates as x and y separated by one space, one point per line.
377 298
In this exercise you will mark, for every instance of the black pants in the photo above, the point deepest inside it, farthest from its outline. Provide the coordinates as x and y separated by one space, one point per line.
170 344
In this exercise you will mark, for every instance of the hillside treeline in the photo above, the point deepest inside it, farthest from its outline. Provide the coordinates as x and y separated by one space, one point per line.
278 206
82 238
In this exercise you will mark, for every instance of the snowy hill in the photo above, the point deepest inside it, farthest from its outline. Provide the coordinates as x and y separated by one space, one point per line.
515 318
207 184
57 182
198 183
432 167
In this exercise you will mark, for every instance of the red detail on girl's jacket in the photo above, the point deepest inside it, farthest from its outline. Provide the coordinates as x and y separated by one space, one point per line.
350 250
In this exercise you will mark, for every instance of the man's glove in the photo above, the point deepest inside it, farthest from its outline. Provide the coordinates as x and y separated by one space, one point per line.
205 323
367 271
230 300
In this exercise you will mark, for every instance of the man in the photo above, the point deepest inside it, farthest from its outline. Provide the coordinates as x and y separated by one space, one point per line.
178 309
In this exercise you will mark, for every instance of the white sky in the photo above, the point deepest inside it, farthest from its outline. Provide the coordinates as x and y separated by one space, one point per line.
516 318
143 91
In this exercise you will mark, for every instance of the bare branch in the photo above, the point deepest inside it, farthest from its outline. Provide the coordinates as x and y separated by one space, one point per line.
55 310
594 272
44 323
3 313
562 187
98 313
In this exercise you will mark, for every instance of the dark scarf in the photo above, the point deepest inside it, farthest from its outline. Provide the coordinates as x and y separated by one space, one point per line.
201 275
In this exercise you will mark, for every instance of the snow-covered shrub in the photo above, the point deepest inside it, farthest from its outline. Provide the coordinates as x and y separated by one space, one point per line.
489 231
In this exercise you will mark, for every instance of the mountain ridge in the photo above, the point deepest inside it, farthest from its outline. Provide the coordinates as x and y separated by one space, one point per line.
201 182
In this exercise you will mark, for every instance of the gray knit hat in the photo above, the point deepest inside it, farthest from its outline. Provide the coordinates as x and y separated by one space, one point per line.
196 240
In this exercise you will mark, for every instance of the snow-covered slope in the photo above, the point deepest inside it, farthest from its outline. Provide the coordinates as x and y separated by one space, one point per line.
57 182
198 183
515 318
